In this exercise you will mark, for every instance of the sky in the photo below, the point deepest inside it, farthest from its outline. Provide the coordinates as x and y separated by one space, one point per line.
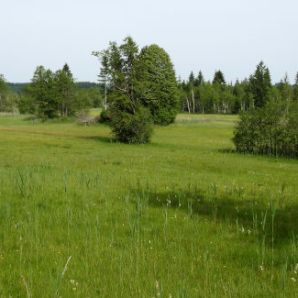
230 35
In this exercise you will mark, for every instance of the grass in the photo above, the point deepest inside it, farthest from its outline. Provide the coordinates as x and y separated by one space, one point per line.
83 216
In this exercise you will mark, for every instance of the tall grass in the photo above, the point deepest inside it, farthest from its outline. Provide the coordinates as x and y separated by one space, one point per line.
83 216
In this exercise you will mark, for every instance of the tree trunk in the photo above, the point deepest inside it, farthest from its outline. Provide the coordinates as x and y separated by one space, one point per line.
188 106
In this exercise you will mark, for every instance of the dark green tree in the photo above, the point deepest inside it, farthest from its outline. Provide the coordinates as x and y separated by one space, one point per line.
130 121
191 78
43 93
156 84
260 85
51 95
199 80
219 78
136 81
65 91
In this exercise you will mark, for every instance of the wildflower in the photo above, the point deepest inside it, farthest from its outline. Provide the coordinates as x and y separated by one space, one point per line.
293 279
262 268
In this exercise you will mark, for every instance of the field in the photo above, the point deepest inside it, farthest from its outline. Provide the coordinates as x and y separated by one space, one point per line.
185 216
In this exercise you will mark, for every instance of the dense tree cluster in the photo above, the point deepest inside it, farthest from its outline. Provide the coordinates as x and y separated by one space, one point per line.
55 94
270 126
271 130
218 96
141 89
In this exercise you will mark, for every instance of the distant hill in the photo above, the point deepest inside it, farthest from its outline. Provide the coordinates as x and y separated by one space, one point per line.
87 85
17 87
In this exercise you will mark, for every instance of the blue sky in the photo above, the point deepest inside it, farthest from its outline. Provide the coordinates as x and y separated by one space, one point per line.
231 35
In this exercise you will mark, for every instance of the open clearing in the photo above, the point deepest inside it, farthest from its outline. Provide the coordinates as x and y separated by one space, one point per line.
83 216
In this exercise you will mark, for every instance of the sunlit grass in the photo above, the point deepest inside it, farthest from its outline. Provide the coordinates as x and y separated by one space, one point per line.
83 216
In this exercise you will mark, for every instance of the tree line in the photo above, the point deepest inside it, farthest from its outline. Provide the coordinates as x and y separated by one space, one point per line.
217 96
50 94
138 88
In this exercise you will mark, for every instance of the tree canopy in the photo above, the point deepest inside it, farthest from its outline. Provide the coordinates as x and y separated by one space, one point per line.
138 83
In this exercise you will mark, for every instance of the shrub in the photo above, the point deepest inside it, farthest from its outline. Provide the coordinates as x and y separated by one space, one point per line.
132 127
105 116
271 130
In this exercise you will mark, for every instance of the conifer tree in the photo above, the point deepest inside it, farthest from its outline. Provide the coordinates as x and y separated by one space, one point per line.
199 80
65 91
260 85
157 85
219 78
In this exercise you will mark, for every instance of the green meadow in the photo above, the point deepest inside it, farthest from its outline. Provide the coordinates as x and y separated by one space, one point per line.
185 216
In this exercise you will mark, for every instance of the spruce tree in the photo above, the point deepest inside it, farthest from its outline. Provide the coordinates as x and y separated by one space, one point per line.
199 80
156 84
260 85
129 119
219 78
65 91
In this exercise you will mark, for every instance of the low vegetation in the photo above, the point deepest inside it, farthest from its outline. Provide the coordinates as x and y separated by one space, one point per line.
271 130
184 216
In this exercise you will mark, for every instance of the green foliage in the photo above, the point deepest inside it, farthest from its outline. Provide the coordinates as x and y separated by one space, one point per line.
65 92
105 116
260 85
43 93
271 130
88 97
219 78
52 95
200 96
8 99
156 84
136 81
130 127
295 89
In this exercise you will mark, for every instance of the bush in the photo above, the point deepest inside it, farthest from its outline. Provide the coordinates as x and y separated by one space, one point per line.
271 130
105 116
132 128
